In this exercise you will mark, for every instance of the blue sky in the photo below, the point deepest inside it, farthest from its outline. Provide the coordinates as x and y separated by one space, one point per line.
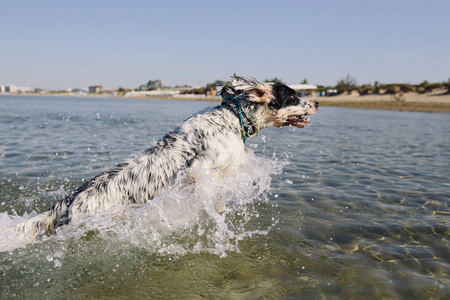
69 44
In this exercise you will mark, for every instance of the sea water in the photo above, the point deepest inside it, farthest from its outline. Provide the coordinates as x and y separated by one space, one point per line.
356 205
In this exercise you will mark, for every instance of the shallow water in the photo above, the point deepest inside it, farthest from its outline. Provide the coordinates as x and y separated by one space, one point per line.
356 205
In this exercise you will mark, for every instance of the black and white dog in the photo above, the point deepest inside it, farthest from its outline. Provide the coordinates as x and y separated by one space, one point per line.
211 139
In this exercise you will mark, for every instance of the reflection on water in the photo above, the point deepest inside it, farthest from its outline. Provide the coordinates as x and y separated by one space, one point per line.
359 209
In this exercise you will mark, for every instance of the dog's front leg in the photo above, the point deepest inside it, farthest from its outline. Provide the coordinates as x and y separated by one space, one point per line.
198 175
219 159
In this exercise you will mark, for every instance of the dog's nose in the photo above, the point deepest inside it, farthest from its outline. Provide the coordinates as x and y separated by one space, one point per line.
316 104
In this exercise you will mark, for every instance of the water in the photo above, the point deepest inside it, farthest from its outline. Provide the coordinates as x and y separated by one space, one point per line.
354 206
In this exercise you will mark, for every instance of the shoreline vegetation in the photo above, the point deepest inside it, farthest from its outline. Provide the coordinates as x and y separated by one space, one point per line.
435 101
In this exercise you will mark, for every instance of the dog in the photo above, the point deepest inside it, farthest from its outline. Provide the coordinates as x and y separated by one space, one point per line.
213 139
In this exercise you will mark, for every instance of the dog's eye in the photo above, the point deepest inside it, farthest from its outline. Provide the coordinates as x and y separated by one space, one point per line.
294 101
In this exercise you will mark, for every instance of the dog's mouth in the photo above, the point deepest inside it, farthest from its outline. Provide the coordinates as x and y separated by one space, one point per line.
297 120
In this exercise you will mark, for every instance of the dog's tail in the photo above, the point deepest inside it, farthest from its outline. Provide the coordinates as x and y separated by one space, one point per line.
59 214
46 222
43 223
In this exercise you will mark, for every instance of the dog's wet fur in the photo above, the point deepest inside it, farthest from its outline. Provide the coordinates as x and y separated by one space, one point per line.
209 140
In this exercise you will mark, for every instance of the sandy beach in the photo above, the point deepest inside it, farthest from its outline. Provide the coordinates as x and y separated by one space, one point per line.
438 101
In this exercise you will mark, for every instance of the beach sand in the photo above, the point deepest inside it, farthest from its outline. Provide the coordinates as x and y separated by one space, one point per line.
438 101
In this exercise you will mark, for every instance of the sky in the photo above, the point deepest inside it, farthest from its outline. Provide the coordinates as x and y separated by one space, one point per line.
74 44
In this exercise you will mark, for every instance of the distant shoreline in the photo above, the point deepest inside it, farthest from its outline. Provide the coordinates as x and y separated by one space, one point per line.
438 101
400 106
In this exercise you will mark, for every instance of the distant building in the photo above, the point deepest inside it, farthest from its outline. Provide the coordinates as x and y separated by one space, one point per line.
10 89
303 89
14 89
80 91
151 85
23 89
95 89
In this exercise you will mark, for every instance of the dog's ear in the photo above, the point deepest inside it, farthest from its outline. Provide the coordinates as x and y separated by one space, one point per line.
256 90
243 83
228 91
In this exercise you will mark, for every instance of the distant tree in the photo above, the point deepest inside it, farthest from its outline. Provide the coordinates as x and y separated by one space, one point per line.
305 81
424 83
347 84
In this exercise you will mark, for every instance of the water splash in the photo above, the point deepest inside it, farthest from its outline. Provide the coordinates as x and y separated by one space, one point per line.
10 240
184 219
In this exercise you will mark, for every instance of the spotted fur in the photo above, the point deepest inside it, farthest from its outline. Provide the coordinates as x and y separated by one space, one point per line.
208 140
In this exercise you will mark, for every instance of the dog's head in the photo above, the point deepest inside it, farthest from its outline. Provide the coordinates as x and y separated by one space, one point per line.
276 104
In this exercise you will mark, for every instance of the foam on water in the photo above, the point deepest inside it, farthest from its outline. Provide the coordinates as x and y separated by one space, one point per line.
184 219
10 240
